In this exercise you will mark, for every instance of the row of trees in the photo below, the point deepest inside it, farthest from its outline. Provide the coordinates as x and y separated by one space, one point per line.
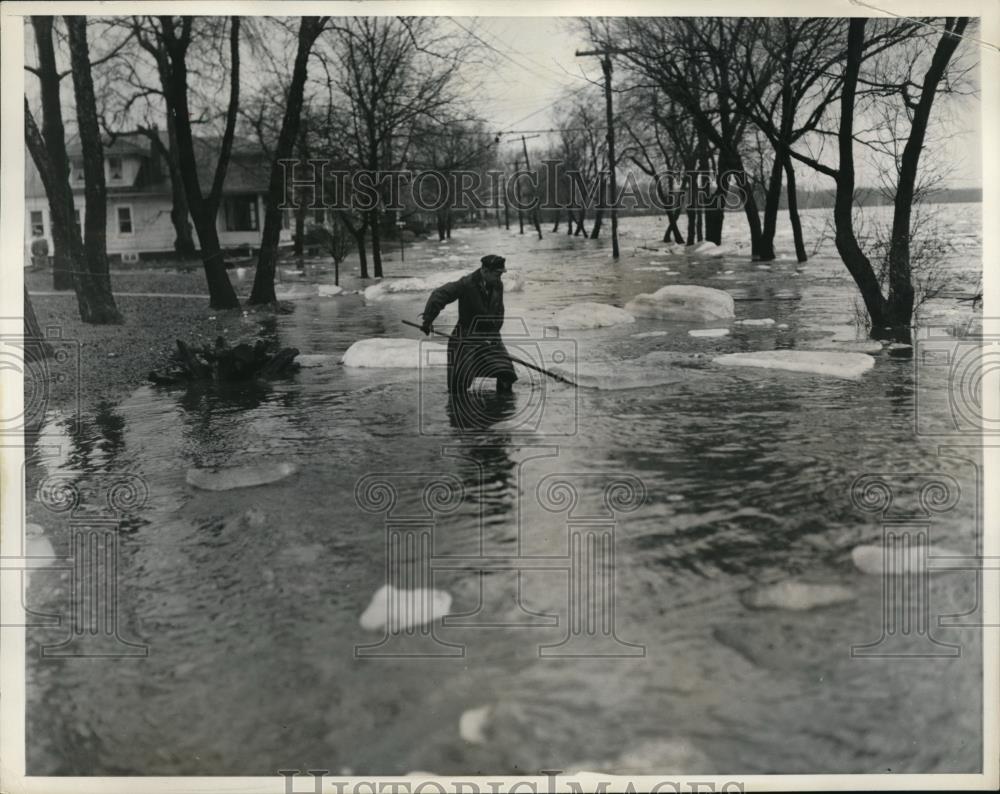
758 97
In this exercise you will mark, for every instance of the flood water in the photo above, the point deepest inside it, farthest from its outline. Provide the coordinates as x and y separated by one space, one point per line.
248 601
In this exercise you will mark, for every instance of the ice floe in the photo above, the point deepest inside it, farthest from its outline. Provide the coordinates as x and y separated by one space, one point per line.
228 478
760 322
647 334
582 316
329 290
472 724
426 283
797 596
390 353
709 332
817 362
683 302
711 249
869 558
403 609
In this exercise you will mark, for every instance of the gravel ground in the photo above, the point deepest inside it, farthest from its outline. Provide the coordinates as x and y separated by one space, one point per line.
116 359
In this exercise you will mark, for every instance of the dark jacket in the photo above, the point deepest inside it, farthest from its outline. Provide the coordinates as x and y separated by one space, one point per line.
475 348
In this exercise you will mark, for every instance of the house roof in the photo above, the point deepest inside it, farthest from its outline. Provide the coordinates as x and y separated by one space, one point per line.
249 168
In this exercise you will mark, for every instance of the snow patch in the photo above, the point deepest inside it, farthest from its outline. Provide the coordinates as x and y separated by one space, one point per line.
683 302
818 362
647 334
226 479
389 353
329 290
404 609
759 322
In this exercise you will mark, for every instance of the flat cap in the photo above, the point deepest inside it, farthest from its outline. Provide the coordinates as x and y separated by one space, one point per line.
493 262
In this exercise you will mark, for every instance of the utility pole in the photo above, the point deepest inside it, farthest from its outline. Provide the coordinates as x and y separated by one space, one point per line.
527 167
605 56
517 193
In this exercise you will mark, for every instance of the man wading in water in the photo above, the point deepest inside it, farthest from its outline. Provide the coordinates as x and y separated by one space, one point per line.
475 349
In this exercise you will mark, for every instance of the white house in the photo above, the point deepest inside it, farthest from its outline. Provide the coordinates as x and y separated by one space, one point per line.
140 199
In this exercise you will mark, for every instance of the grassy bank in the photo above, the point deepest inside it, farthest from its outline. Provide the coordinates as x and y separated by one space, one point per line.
115 359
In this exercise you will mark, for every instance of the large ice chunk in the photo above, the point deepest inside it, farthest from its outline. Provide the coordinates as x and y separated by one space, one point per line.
581 316
906 560
819 362
403 609
685 302
426 283
226 479
394 353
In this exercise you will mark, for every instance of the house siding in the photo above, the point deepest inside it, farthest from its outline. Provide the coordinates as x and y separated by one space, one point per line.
152 228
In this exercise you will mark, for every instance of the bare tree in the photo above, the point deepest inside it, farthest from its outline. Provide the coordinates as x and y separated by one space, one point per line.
392 72
263 286
890 314
690 60
89 278
96 277
167 39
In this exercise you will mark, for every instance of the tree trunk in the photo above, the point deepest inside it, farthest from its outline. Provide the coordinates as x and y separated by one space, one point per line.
595 230
899 304
358 233
672 233
61 204
373 222
771 201
96 279
851 254
793 210
54 140
263 283
180 214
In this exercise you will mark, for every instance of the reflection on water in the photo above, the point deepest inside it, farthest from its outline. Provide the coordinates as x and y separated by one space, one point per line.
249 600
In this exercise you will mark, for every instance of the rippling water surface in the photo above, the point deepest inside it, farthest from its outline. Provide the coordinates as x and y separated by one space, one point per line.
249 600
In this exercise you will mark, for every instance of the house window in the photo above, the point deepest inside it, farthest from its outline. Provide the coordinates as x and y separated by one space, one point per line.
241 214
124 220
115 168
37 224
